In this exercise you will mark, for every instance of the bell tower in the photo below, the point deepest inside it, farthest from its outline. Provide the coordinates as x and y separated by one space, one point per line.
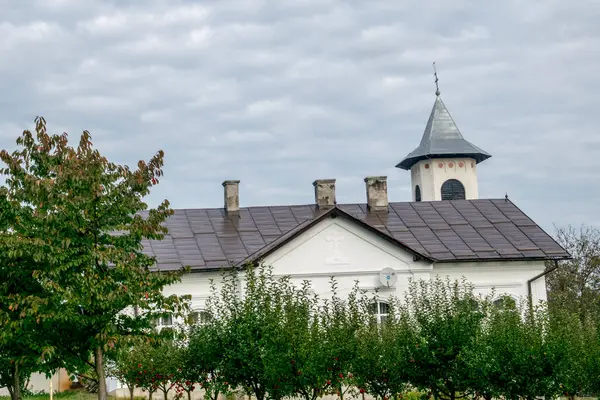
444 165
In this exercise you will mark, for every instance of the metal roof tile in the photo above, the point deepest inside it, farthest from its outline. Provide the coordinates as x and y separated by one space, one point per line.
443 230
442 138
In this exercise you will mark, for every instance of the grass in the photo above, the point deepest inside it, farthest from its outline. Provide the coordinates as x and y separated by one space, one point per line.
68 395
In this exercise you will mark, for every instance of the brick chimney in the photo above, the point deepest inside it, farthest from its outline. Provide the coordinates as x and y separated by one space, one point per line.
377 196
324 193
232 196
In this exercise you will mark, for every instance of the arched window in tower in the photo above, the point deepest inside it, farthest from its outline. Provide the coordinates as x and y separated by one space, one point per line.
417 193
452 189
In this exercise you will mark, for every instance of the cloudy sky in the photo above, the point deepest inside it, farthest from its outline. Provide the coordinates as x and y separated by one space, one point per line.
279 93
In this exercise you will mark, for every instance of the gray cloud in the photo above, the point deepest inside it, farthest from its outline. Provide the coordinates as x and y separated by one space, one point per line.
279 93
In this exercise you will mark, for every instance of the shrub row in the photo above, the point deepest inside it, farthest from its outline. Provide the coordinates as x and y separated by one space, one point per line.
440 340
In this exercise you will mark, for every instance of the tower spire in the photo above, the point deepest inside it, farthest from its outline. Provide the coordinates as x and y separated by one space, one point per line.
437 88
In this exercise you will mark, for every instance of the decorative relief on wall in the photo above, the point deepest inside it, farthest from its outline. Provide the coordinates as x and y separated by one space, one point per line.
336 256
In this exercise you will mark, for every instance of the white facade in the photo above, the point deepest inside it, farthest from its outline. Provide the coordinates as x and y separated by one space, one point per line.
431 174
342 248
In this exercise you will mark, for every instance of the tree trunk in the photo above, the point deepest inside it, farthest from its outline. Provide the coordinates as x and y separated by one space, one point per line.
102 395
189 395
166 392
16 392
131 389
150 395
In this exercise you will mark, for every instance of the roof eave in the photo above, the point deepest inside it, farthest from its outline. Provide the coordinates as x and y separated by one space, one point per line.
409 162
502 259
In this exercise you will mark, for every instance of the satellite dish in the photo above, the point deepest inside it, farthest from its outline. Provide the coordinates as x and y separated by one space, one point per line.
388 277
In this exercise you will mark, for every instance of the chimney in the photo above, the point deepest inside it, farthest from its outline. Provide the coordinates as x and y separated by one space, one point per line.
324 193
377 197
232 196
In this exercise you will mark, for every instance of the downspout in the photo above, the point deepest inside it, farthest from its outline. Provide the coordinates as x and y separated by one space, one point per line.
538 276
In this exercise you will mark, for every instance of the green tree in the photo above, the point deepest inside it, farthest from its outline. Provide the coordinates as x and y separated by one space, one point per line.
84 220
575 285
382 367
167 360
203 359
340 320
511 358
28 326
132 364
308 353
572 348
186 378
253 344
489 359
447 316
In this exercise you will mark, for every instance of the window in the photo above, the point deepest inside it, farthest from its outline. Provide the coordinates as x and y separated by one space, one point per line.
453 190
200 317
380 310
417 193
164 321
506 302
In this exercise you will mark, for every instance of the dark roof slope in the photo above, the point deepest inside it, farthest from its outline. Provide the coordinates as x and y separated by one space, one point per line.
442 138
442 231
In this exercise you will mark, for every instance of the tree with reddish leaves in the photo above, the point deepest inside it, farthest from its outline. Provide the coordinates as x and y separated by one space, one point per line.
84 219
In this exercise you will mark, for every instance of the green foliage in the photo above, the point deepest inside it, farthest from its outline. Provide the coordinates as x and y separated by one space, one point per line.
279 340
509 358
383 366
572 348
575 285
167 359
202 361
447 317
340 321
75 224
254 350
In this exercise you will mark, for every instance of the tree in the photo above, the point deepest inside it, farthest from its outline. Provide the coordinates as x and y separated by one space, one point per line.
447 316
575 285
203 359
186 378
510 358
572 350
254 347
382 367
341 319
308 357
167 360
27 326
132 363
84 221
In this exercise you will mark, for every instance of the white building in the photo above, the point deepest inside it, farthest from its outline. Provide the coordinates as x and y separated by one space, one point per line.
445 230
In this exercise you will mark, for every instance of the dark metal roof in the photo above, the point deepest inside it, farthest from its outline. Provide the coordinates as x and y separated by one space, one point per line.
440 231
442 138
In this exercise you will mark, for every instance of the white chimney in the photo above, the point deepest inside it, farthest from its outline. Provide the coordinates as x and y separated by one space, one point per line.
324 193
377 196
232 196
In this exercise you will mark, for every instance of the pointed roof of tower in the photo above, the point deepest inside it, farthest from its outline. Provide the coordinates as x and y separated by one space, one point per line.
442 139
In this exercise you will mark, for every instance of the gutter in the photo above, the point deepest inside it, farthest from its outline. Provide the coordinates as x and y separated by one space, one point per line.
538 276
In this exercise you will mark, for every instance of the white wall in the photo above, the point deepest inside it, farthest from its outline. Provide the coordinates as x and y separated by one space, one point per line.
503 277
430 177
39 383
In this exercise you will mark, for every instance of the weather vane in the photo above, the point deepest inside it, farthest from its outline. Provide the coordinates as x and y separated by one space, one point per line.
437 88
